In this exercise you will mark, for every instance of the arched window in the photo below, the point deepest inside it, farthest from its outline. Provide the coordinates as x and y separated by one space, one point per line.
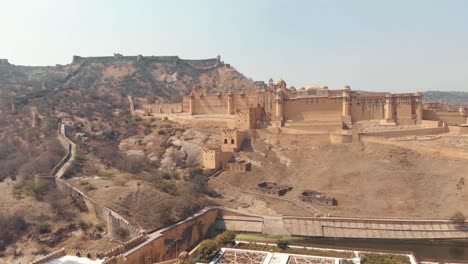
232 141
225 141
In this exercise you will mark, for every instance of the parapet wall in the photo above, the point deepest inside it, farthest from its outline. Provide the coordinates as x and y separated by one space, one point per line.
431 123
53 255
452 118
114 221
165 108
407 132
458 129
167 243
339 138
203 64
286 136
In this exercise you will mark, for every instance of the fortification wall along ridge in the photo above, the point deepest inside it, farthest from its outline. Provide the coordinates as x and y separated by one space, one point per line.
201 64
114 221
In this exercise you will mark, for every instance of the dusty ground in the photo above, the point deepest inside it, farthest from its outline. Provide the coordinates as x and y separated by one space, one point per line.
138 198
37 212
369 180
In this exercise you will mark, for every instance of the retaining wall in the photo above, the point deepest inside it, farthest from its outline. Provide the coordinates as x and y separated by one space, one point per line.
458 129
167 243
407 132
339 138
448 152
53 255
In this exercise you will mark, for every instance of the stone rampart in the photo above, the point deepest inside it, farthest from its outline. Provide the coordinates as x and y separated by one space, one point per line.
165 108
168 242
287 136
114 221
339 138
53 255
458 129
448 152
452 118
203 64
373 228
406 132
431 123
59 166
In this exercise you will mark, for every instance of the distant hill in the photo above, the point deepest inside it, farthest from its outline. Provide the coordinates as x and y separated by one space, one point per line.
168 77
453 98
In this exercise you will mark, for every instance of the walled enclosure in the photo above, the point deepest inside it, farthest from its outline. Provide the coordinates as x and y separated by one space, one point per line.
312 105
167 243
446 113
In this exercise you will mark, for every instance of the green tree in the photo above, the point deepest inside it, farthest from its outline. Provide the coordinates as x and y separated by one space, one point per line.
165 214
227 237
208 247
283 244
458 218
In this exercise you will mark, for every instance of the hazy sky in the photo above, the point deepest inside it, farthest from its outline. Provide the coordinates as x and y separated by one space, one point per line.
370 45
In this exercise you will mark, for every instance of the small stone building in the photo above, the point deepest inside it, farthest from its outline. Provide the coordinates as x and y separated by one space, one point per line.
316 197
273 188
232 139
214 158
248 118
238 166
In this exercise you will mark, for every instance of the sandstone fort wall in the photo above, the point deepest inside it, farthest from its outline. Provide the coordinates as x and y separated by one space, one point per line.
367 108
338 138
309 109
448 152
169 242
203 64
448 117
458 129
113 220
406 132
166 108
431 123
276 136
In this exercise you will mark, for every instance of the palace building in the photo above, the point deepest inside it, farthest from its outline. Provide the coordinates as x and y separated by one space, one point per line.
306 108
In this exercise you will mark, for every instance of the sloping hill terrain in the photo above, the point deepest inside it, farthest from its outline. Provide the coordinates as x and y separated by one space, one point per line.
90 96
168 77
453 98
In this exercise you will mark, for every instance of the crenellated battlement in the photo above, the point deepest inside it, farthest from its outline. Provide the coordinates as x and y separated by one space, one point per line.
198 64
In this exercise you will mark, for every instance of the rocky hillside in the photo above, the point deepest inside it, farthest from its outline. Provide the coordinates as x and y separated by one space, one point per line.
453 98
167 77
